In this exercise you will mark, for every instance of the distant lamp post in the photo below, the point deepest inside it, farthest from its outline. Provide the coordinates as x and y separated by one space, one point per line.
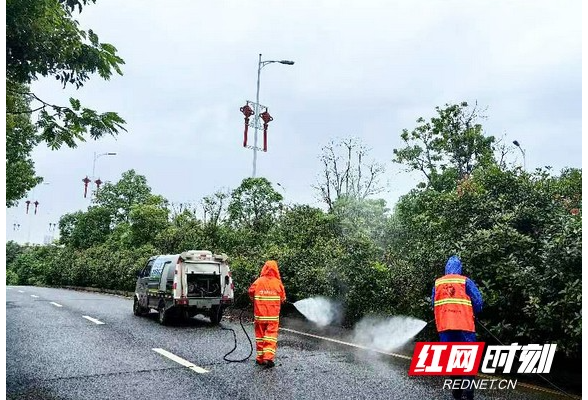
516 143
97 156
98 182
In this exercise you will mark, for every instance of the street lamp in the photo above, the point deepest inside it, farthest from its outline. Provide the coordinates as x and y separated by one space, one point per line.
97 156
31 214
260 65
516 143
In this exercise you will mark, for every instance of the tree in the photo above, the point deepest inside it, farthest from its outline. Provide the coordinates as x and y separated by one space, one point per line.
215 207
448 147
13 250
147 221
82 230
362 217
254 205
43 39
20 141
346 173
119 198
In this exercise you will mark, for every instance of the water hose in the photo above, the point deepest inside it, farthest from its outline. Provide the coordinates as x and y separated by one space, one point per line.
235 334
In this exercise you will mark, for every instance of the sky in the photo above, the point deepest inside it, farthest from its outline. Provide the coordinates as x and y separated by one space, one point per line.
362 69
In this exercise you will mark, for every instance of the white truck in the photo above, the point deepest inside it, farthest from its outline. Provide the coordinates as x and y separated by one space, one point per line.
183 285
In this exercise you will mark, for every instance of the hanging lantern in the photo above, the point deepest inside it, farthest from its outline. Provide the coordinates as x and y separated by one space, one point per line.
86 180
248 112
98 182
36 203
28 202
267 118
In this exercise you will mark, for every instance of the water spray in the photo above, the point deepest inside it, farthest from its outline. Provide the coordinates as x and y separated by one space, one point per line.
320 310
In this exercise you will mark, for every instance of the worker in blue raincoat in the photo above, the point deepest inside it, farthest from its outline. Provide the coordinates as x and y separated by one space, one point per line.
456 299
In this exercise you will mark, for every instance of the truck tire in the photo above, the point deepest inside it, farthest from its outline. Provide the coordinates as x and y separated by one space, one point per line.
216 314
138 310
163 316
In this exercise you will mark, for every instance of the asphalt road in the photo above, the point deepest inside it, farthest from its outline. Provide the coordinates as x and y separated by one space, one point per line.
63 344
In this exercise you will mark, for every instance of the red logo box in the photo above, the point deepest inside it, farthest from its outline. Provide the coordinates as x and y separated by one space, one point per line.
446 358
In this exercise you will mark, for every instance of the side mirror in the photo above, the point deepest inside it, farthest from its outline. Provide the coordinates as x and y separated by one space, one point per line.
139 273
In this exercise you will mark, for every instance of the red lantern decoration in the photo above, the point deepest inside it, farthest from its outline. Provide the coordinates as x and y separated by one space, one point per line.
98 182
248 112
28 204
267 118
86 180
36 203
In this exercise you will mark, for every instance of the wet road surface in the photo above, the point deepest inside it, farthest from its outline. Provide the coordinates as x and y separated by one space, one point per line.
63 344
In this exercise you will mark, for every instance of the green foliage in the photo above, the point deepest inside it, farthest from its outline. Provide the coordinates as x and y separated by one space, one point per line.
43 39
519 239
254 205
82 230
11 278
147 221
448 147
120 197
20 141
13 250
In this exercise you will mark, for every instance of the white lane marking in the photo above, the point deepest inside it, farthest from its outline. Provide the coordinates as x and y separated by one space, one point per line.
9 288
55 304
94 320
32 295
21 291
346 343
180 361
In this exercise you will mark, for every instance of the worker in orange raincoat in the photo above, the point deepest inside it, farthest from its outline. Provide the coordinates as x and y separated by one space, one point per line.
267 294
456 299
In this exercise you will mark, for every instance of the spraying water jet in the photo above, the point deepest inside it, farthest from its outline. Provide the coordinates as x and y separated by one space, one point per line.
320 310
386 333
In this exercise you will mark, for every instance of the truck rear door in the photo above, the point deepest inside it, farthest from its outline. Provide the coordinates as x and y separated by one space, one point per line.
203 279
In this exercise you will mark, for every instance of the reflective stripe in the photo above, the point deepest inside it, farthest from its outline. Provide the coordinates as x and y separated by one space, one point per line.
266 318
268 350
270 339
449 280
453 301
258 340
260 353
267 298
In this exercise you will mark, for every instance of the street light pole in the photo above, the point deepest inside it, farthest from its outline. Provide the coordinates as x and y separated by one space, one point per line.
94 166
97 157
516 143
260 65
31 214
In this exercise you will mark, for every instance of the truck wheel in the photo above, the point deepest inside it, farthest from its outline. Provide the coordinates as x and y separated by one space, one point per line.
138 310
216 314
163 315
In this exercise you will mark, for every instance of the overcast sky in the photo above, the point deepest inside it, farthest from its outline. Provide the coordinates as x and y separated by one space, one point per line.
365 69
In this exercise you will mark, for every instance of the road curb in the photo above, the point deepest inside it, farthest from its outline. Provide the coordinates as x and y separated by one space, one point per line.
120 293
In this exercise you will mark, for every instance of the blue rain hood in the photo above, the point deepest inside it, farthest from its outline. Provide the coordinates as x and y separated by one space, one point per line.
453 266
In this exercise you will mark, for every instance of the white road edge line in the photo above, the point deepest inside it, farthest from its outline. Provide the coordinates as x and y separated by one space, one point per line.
9 288
346 343
55 304
94 320
21 291
32 295
180 361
